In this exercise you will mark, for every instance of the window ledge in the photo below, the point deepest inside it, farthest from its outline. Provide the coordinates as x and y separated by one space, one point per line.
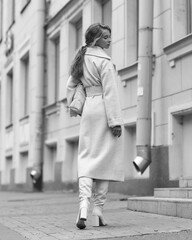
24 147
50 109
24 119
128 73
178 49
25 6
64 101
9 127
9 152
51 143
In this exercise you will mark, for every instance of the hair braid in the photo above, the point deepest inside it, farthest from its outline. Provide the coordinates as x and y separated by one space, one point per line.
77 64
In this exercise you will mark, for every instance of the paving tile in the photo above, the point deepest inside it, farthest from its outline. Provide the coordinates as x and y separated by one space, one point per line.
51 216
8 234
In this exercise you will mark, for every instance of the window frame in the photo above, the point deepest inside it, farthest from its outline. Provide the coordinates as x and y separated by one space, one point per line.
11 15
56 67
79 32
24 4
189 16
106 17
133 59
10 98
72 35
1 20
0 105
104 9
53 69
25 82
181 19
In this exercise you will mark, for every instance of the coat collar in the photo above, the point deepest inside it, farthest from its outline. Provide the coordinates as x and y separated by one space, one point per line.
97 51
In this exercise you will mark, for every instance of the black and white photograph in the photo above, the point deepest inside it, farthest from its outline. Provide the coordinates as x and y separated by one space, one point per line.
95 119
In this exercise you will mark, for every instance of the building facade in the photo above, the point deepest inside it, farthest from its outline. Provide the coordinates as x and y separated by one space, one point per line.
38 40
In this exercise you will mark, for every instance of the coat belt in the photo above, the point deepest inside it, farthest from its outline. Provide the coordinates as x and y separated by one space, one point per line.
93 91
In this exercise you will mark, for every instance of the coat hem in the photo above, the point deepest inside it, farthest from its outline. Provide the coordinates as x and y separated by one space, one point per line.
120 179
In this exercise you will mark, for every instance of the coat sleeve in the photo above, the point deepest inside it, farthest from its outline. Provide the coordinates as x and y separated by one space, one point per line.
110 94
71 89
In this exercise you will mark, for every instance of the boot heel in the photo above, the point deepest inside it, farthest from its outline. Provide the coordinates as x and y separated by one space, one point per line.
95 221
83 214
81 218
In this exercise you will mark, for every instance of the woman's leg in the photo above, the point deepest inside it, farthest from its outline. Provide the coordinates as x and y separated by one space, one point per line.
85 192
100 197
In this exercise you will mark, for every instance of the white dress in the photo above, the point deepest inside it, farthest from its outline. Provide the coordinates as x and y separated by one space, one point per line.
100 154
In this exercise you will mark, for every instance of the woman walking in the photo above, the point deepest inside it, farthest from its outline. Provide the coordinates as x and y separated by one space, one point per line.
100 154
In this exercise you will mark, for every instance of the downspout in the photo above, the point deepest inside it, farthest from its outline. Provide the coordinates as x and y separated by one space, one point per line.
144 87
36 173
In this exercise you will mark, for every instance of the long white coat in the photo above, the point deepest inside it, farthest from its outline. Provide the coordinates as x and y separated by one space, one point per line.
100 154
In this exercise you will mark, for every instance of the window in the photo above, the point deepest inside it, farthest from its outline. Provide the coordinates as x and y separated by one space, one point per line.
79 33
106 12
130 150
103 12
24 94
10 12
10 98
189 16
69 168
75 36
22 168
57 67
8 168
53 70
24 4
180 151
107 17
49 163
132 20
0 107
182 18
1 20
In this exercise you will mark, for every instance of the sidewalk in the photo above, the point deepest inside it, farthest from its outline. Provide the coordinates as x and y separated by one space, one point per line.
52 215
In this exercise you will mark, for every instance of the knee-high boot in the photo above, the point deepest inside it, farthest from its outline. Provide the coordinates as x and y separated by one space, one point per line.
85 192
100 197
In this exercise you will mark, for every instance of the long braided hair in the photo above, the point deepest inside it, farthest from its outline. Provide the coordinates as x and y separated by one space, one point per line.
92 35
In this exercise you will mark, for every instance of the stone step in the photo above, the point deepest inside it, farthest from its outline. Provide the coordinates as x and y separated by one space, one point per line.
173 192
177 207
185 182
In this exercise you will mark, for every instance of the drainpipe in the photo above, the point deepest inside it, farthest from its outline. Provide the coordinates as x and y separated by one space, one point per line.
144 87
37 116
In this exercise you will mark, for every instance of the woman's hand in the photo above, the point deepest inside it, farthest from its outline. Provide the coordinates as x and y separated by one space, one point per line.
116 131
